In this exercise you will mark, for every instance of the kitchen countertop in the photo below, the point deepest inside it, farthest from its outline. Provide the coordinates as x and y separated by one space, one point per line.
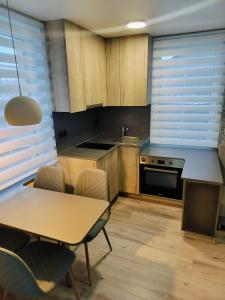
113 140
200 164
96 154
85 153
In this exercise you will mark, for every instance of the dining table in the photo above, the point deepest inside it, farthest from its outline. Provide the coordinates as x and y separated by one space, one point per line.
57 216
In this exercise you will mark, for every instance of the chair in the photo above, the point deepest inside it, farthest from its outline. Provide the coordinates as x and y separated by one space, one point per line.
13 239
50 178
93 183
36 270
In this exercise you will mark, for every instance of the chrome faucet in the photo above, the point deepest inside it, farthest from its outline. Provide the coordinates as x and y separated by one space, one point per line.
124 130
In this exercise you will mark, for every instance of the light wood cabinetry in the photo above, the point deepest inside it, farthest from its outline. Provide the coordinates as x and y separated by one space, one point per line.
75 66
89 71
72 166
200 208
109 163
127 70
78 67
94 69
129 169
134 70
113 71
112 168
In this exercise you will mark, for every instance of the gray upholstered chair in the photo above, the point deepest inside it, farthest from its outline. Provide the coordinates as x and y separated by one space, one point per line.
13 239
36 270
50 178
93 183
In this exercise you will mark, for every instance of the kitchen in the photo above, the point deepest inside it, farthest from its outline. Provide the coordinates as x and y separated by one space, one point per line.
144 105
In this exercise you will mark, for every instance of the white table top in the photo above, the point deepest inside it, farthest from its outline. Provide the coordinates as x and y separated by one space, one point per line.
201 165
58 216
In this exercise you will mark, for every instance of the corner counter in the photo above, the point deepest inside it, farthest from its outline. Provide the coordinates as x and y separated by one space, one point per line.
200 164
202 185
121 163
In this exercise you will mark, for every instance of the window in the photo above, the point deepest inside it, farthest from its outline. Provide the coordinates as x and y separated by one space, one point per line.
187 89
24 149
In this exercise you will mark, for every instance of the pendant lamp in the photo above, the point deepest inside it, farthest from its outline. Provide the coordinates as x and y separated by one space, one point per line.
21 110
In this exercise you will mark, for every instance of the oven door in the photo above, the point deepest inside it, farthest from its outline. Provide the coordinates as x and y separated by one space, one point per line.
161 181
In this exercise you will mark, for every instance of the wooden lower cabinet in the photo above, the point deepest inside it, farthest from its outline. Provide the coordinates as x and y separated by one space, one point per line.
200 208
112 168
129 169
109 163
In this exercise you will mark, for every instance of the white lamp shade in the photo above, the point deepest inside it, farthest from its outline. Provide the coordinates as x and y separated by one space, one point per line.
21 111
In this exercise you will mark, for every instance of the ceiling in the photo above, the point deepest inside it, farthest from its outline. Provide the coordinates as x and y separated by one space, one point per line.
109 17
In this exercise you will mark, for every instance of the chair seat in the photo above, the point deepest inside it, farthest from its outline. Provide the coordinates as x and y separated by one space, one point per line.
95 230
48 262
12 239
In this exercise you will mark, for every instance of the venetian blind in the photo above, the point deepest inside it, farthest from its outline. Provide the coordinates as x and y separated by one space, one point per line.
24 149
188 80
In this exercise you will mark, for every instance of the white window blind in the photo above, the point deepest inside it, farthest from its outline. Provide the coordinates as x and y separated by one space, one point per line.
24 149
188 80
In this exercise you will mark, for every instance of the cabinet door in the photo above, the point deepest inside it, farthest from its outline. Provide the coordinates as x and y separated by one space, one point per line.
129 169
72 167
110 164
113 71
134 70
58 65
75 66
94 69
66 66
112 169
101 82
200 208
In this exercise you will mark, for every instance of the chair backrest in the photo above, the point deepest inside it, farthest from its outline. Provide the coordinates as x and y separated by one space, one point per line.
92 183
16 277
50 178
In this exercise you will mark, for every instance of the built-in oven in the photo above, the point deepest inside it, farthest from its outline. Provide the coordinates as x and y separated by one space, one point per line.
161 176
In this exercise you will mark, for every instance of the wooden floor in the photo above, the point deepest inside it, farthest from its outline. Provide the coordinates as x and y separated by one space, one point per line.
151 259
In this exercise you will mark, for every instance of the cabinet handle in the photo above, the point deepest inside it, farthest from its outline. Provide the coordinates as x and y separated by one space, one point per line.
161 170
94 106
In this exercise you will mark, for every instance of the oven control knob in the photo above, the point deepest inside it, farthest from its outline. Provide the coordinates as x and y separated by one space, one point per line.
143 159
171 163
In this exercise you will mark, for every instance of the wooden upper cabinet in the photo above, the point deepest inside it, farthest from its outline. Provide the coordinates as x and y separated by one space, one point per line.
94 69
66 65
78 67
127 70
134 70
75 66
113 71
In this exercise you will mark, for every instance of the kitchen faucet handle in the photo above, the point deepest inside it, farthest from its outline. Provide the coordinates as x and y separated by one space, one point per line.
124 130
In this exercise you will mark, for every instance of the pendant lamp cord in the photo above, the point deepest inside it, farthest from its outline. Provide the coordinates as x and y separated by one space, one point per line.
14 49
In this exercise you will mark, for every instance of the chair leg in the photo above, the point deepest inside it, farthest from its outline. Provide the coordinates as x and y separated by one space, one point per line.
73 284
4 295
87 262
68 280
107 238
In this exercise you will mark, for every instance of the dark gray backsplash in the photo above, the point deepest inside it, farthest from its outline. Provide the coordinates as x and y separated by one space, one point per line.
107 121
79 126
137 119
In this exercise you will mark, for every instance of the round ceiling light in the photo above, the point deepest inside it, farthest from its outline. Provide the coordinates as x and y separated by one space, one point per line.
136 24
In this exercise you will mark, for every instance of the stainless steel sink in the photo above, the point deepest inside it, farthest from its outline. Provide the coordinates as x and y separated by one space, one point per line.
130 139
